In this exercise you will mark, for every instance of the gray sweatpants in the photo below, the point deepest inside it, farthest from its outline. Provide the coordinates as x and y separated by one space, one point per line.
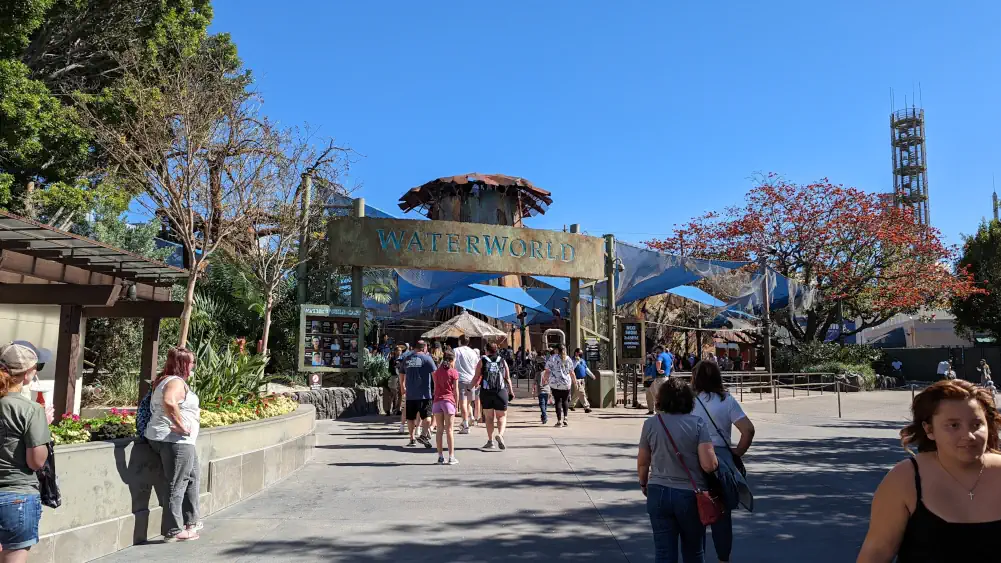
180 468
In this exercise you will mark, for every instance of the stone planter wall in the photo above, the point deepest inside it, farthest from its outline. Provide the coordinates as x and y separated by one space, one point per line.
111 490
343 402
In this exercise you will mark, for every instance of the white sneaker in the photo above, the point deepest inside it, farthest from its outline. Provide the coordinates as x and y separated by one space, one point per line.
403 429
452 460
464 430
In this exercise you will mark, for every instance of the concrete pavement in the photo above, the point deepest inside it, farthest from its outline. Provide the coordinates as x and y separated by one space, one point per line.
555 494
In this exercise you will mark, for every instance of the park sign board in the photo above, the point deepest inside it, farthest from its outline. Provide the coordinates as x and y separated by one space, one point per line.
331 339
464 247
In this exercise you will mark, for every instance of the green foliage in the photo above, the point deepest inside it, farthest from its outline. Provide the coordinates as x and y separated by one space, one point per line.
865 371
122 423
231 412
74 430
119 388
113 344
228 375
794 359
981 312
375 371
53 53
227 304
39 136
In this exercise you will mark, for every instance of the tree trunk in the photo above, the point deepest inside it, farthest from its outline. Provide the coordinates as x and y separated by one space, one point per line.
189 305
268 305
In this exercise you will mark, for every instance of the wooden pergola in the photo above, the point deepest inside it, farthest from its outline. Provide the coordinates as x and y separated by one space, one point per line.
41 265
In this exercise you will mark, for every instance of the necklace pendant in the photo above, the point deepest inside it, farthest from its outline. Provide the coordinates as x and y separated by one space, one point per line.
971 495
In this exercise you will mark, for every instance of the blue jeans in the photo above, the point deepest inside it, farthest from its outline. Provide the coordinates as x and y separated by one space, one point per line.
19 516
543 404
674 515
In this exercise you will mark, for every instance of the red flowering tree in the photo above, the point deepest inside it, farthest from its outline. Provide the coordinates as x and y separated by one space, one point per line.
848 245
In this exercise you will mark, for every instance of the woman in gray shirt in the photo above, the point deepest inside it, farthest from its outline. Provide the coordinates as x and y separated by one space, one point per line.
670 500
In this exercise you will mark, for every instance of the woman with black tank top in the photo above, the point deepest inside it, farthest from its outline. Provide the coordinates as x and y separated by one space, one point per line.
943 505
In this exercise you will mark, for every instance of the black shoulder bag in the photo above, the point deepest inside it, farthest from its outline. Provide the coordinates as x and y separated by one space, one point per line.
48 485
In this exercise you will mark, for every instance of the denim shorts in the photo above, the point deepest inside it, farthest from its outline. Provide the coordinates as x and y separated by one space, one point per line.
19 516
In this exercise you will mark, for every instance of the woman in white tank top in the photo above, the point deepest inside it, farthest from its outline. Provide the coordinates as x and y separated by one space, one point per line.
172 431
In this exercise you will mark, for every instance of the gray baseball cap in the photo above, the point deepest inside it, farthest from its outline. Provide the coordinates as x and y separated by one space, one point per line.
20 355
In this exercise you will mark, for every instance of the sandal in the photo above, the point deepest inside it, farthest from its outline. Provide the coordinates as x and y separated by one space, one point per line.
186 535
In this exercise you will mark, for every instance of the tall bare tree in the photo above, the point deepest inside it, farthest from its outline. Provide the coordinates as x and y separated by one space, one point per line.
193 142
274 235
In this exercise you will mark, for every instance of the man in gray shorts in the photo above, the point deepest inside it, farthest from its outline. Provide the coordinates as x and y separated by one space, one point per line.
465 363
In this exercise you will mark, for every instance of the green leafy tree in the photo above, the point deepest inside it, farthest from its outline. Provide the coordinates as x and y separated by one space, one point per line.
52 51
112 343
199 150
981 257
277 224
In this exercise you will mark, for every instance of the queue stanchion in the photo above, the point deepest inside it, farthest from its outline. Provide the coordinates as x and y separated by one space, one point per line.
775 394
839 398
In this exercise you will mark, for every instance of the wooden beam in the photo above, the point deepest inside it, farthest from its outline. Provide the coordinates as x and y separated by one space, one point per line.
41 252
151 345
15 262
67 360
63 294
157 282
137 309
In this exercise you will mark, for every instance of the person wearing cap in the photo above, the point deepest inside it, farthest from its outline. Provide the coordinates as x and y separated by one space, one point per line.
23 451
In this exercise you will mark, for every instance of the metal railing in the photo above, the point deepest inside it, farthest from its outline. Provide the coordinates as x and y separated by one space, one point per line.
750 384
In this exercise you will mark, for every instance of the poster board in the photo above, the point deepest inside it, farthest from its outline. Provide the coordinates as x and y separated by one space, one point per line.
592 350
331 338
632 341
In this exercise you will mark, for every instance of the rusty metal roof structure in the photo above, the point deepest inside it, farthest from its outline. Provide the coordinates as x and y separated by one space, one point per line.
533 200
25 236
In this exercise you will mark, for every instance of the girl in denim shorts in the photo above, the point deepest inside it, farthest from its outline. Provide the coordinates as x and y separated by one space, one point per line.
23 450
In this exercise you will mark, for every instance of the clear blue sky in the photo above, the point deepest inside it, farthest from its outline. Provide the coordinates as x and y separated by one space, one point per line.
635 115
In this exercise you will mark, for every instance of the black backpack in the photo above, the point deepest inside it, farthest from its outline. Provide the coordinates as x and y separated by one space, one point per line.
493 373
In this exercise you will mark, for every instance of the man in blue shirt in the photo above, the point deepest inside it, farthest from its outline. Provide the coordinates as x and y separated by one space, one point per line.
663 365
419 367
665 362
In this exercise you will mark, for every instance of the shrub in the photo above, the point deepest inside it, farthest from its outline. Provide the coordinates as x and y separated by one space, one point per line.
865 372
119 389
226 413
794 359
72 430
375 371
122 423
231 374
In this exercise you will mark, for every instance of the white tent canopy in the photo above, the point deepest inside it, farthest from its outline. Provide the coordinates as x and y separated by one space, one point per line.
464 323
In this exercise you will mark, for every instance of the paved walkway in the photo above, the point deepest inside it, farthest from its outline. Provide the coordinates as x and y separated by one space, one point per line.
555 494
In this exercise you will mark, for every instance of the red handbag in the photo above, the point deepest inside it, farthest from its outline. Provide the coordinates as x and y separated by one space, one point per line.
710 507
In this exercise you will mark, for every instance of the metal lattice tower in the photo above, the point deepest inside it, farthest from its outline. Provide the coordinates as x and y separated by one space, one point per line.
910 169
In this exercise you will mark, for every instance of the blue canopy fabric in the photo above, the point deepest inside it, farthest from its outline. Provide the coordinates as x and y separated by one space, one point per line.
415 284
490 306
649 272
514 295
558 283
695 294
782 292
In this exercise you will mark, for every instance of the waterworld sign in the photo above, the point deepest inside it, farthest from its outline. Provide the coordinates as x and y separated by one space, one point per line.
464 247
